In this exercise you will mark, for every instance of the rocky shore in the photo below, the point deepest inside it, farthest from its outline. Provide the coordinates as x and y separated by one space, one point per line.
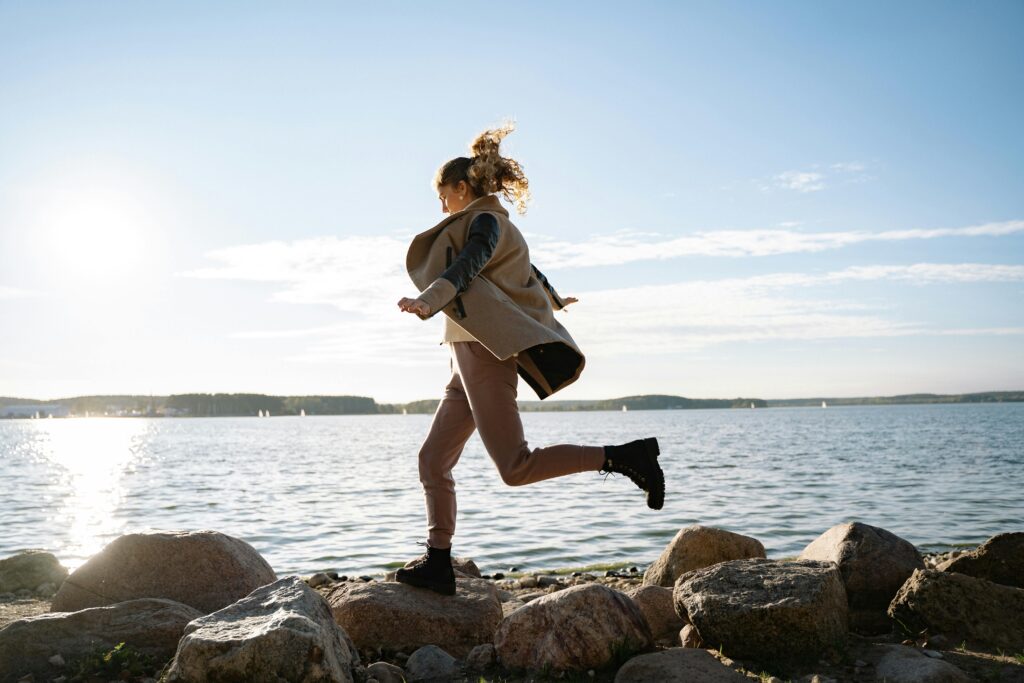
858 604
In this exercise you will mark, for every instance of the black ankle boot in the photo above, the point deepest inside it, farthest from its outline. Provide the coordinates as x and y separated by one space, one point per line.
433 570
638 460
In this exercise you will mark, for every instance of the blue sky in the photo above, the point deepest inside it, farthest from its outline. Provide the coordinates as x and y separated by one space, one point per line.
757 199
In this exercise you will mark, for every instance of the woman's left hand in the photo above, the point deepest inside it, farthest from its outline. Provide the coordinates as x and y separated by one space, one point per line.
568 300
414 306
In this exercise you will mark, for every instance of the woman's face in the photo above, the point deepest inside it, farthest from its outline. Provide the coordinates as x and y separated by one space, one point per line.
454 197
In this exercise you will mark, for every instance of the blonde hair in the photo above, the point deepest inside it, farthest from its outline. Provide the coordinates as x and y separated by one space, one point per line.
487 171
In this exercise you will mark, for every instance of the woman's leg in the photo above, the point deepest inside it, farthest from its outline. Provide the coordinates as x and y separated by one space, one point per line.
450 429
489 385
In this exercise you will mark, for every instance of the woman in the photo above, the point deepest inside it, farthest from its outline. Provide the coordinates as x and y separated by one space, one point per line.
499 325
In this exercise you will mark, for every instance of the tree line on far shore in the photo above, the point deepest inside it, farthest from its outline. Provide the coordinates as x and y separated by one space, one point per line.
237 405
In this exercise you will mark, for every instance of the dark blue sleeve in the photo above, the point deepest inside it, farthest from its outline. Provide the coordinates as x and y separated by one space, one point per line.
555 299
480 243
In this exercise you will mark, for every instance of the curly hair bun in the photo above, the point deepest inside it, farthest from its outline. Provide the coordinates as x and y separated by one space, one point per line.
486 171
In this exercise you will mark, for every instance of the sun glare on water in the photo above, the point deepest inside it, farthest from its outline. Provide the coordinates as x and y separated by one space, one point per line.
92 458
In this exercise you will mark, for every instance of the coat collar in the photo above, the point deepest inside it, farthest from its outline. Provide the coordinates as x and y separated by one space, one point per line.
489 202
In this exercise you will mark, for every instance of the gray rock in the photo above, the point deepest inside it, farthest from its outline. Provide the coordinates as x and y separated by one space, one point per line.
396 616
152 626
688 637
481 657
281 631
677 665
696 547
901 664
318 579
873 563
1000 559
430 664
205 569
603 623
656 604
961 607
775 613
29 570
384 672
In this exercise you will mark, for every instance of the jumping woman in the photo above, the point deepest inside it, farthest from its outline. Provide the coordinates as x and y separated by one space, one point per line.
499 325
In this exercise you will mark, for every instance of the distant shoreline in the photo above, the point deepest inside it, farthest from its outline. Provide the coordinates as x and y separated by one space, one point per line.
255 405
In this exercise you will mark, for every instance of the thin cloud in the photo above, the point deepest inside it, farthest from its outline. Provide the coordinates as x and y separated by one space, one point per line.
678 317
801 181
624 248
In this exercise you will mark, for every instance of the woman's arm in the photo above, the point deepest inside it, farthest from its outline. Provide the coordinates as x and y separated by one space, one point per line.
480 244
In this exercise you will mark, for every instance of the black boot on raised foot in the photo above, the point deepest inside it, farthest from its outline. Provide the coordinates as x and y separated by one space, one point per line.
638 460
433 570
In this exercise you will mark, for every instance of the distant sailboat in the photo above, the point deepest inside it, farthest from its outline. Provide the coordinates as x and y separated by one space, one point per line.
405 411
625 409
824 405
302 412
268 413
260 413
751 405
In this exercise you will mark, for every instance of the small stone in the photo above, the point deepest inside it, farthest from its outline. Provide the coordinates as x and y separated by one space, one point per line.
365 578
385 673
932 653
498 576
513 569
318 579
611 572
938 642
333 575
431 663
633 570
860 663
528 582
545 581
56 660
481 657
590 672
342 578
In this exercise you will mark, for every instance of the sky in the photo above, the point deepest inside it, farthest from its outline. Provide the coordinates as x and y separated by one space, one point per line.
769 200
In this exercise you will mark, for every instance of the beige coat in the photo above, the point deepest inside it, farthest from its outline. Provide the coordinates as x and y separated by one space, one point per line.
506 307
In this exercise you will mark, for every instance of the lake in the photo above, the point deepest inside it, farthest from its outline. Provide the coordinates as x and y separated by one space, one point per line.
342 492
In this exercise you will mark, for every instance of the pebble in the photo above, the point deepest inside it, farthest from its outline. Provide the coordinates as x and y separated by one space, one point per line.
528 582
932 653
56 660
365 578
545 581
498 576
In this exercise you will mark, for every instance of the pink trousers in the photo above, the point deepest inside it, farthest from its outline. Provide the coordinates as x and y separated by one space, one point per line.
482 395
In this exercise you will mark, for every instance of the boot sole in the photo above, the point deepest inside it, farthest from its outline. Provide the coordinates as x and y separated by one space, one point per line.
442 588
656 493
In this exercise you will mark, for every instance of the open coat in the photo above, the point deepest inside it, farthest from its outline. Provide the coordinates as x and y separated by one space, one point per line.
505 307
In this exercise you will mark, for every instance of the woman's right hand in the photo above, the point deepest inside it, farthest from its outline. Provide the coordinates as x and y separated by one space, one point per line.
416 306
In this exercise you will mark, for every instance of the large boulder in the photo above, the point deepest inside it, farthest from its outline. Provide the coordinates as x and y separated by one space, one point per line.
655 602
584 627
152 626
677 665
961 607
775 613
205 569
901 664
696 547
282 631
1000 559
31 570
395 616
873 562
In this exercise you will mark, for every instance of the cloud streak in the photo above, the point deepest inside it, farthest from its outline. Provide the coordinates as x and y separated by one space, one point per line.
624 247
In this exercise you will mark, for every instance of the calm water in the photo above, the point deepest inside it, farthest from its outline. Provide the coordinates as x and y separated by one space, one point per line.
342 493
